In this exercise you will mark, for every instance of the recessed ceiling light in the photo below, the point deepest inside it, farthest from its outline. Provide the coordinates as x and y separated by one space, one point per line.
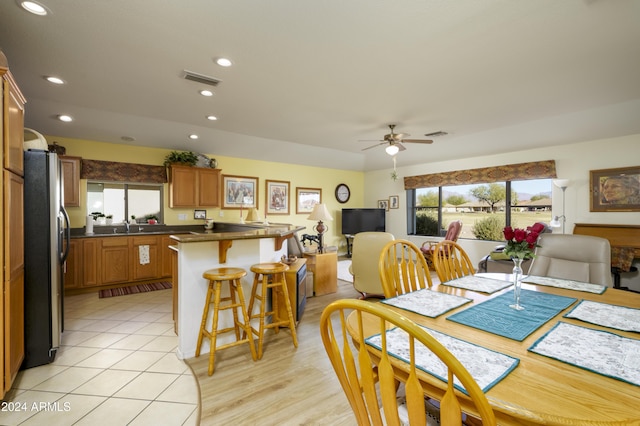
224 62
193 137
54 80
34 7
212 117
206 93
65 118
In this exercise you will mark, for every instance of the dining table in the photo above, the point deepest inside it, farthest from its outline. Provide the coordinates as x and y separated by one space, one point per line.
542 388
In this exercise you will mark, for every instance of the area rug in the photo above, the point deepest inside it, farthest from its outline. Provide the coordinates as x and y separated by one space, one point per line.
343 271
134 289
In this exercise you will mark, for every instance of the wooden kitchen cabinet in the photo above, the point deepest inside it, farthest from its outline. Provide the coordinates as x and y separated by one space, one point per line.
71 180
90 266
166 255
145 262
13 110
115 261
194 187
72 269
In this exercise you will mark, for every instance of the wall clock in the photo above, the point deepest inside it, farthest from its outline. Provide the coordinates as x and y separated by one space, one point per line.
342 193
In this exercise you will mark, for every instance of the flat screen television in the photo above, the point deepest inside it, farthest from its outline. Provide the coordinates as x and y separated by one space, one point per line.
363 220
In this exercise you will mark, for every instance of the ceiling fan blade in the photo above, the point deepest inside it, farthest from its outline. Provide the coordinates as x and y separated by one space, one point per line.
373 146
400 146
417 140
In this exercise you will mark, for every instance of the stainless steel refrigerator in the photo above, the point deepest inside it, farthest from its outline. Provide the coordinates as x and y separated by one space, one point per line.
46 236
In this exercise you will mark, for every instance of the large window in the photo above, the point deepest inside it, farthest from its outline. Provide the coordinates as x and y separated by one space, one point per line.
123 200
483 208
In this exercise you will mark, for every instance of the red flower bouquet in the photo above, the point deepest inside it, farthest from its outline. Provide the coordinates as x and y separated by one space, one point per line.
522 242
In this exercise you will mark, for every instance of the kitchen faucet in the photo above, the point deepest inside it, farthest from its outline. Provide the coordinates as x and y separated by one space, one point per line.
126 226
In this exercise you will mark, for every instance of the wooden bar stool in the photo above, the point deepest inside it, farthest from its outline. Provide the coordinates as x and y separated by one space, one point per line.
216 277
270 275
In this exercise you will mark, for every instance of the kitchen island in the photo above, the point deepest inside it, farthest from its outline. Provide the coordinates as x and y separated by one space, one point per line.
226 245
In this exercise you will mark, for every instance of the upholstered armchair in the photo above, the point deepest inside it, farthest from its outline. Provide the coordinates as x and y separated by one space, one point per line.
364 262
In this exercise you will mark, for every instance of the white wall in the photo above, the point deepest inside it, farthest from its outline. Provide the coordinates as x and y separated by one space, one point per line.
573 162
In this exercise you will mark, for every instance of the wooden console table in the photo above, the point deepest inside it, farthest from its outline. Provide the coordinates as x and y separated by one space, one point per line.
325 272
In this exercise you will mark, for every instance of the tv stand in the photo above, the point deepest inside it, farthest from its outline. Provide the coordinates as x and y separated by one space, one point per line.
349 239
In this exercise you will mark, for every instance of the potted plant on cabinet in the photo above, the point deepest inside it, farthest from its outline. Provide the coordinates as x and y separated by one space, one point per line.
109 219
183 158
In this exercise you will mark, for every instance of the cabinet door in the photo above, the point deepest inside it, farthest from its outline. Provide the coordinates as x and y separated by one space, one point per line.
115 260
209 187
71 180
182 187
145 259
13 127
73 265
90 262
165 264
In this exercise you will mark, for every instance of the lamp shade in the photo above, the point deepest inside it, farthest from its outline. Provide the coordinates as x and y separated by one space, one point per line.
320 213
392 149
252 215
555 223
561 183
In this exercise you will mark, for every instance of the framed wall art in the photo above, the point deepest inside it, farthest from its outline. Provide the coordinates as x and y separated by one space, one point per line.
306 198
240 192
394 202
277 197
199 214
615 190
383 204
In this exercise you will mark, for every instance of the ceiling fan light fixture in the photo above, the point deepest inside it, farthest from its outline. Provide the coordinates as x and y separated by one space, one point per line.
392 150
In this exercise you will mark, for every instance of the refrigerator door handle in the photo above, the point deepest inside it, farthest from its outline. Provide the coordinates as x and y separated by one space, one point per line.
67 235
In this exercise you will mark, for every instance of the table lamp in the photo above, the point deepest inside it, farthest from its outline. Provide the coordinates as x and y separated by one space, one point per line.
252 215
320 213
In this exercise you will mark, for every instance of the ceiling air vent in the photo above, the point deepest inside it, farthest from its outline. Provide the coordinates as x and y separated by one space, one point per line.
200 78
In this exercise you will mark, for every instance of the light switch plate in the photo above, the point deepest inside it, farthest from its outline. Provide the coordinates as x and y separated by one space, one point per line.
182 216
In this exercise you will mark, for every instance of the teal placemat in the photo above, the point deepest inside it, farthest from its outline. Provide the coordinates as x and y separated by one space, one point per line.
599 351
495 315
486 366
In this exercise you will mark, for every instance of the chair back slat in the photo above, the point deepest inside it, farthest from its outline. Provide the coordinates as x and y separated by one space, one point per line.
451 261
402 268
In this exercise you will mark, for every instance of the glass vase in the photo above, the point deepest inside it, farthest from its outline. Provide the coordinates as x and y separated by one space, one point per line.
517 284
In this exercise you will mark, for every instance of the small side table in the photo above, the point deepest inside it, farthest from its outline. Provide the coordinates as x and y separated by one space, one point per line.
325 271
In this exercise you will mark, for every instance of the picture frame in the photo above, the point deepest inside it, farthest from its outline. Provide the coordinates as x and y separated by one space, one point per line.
394 202
199 214
240 192
306 198
383 204
277 197
615 190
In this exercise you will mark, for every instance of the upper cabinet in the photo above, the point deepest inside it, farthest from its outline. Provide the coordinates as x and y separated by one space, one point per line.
13 136
194 187
71 179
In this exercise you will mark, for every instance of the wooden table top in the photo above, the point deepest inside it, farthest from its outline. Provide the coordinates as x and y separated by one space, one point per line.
542 390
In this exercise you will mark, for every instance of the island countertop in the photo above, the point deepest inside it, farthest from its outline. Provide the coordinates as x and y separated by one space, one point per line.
237 231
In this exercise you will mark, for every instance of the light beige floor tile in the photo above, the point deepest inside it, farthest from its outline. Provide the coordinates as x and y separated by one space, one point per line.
102 325
184 390
138 361
74 338
103 340
169 363
162 344
133 342
107 383
31 377
66 411
105 358
76 323
148 316
194 418
72 355
68 380
155 328
167 318
128 327
146 386
125 315
27 408
164 413
115 412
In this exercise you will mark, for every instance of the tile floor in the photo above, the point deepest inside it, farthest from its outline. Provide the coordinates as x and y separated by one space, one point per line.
116 366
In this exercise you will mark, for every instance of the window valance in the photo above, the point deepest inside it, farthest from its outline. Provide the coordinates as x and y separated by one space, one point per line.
111 171
523 171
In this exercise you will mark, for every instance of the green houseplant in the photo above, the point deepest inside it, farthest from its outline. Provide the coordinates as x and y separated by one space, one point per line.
186 158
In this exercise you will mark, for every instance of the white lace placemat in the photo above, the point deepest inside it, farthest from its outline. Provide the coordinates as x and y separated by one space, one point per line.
568 284
486 366
602 352
613 316
428 303
481 284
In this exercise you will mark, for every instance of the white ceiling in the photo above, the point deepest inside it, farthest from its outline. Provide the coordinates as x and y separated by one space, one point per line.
312 78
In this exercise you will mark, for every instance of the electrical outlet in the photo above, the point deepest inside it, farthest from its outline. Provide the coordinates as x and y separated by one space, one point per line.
221 213
182 216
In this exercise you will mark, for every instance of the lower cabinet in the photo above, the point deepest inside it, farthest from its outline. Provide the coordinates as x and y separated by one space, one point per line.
107 261
296 278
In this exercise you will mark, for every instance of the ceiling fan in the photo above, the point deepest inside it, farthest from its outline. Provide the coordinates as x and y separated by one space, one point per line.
395 140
